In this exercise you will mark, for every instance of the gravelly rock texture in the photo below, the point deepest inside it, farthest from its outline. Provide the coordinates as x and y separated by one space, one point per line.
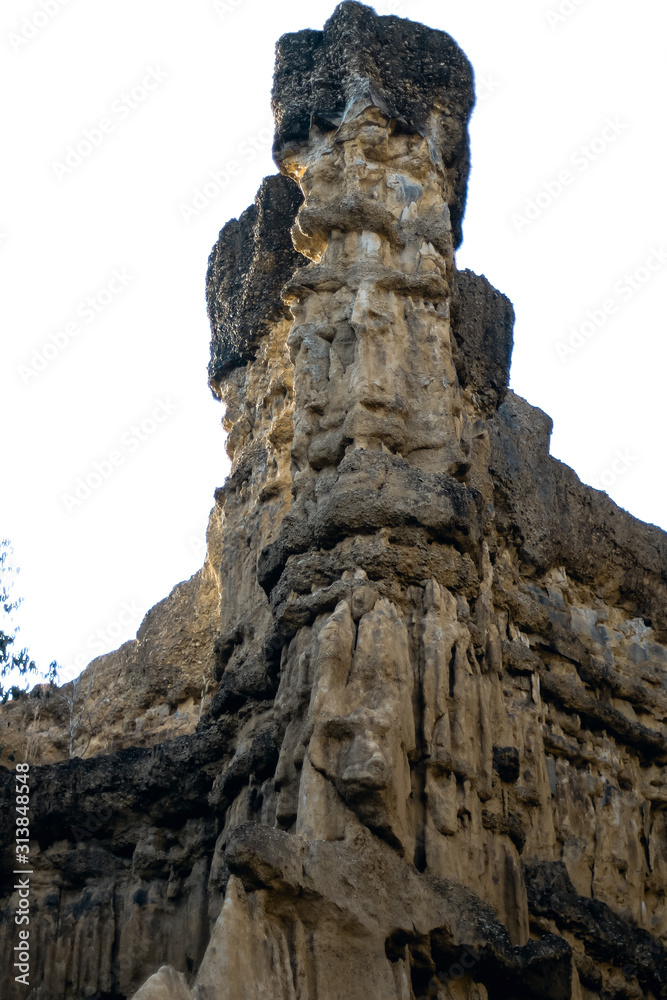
433 762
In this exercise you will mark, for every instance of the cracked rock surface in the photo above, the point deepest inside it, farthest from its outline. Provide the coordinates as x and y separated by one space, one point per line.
433 763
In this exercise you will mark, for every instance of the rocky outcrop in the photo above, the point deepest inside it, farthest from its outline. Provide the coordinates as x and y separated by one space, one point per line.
153 688
434 764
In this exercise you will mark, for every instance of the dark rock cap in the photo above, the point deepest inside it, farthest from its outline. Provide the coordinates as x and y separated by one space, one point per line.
483 328
416 75
247 268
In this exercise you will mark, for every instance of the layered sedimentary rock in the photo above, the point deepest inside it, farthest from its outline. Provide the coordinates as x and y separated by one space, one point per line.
152 688
434 766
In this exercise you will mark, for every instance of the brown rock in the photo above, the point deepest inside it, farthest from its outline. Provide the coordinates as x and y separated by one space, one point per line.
434 765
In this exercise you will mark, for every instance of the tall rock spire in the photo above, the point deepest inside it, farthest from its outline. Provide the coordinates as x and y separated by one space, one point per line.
421 613
434 767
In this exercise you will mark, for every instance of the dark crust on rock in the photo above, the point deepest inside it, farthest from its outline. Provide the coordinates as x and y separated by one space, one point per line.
606 936
167 784
483 328
391 494
506 763
270 859
248 266
411 72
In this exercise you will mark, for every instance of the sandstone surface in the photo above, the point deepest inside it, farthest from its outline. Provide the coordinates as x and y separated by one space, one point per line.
432 762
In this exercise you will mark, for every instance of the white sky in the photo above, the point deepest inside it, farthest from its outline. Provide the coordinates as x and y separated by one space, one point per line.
548 89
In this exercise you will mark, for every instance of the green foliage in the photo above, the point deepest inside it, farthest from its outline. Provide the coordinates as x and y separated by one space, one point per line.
15 661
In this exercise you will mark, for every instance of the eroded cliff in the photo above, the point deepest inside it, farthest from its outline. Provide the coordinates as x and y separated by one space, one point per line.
434 762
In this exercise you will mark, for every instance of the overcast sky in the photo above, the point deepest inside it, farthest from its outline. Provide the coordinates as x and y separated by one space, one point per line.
118 117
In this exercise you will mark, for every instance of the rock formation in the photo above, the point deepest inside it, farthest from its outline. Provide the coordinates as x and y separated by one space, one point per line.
153 688
434 764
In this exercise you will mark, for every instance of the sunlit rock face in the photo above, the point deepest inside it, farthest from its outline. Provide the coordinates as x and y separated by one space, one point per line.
434 766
